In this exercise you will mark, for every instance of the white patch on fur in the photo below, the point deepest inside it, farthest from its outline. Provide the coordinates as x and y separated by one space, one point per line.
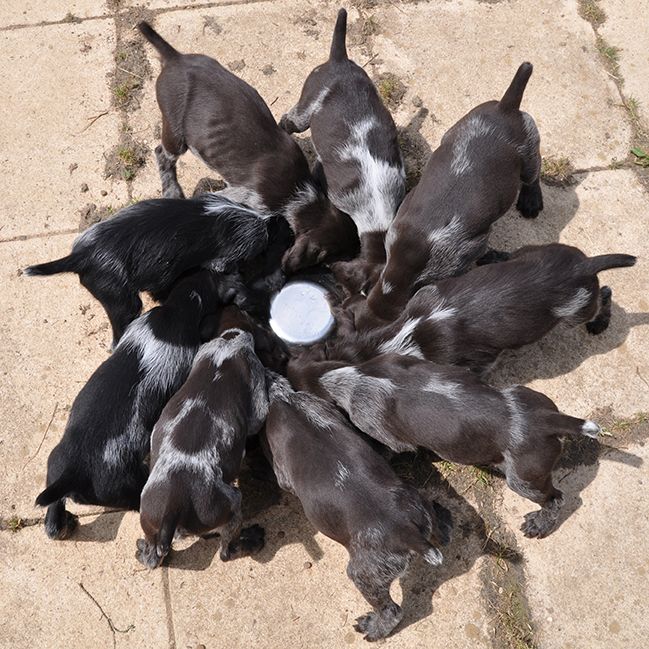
301 198
472 128
590 429
342 473
402 342
433 556
248 197
387 287
449 389
373 204
517 419
366 400
579 300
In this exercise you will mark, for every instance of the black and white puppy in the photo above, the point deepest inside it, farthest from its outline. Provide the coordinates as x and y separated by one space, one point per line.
350 494
406 403
101 459
197 447
469 182
147 246
359 158
225 123
469 320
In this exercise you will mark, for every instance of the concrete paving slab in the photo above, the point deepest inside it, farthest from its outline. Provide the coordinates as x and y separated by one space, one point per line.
48 589
296 592
55 83
455 55
28 12
603 213
271 45
586 582
54 335
627 29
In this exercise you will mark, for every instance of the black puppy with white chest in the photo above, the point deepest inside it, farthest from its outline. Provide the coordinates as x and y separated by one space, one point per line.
198 444
484 161
359 158
350 493
102 457
147 246
405 403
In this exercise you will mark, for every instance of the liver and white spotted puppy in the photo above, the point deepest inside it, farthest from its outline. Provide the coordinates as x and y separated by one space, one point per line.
350 493
102 457
197 447
469 320
358 153
406 403
469 182
149 245
225 122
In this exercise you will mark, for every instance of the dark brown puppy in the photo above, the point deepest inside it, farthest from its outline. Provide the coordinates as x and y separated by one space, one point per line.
350 493
405 403
469 182
197 447
358 153
226 123
469 320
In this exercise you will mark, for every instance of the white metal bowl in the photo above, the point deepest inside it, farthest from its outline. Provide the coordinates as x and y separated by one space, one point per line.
300 313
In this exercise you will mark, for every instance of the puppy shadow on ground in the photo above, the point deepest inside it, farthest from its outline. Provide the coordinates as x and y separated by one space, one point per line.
470 539
264 503
102 529
414 147
564 349
561 203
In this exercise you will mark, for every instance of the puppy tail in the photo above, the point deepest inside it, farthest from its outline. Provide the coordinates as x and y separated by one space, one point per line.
58 489
514 94
165 50
599 263
566 426
338 50
69 264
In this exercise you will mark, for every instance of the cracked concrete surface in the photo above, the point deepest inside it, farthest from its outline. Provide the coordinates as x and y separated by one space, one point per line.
581 587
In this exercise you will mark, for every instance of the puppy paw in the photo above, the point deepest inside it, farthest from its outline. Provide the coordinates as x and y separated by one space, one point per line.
146 554
63 528
372 627
364 622
596 327
530 201
537 525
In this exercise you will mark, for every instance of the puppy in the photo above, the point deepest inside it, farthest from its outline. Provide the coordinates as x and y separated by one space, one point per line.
358 153
146 246
101 459
225 123
350 494
469 320
405 403
469 182
197 447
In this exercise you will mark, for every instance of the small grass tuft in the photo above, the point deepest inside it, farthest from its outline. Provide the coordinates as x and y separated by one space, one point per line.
513 617
610 56
591 11
641 157
482 477
15 523
621 426
391 89
71 18
557 171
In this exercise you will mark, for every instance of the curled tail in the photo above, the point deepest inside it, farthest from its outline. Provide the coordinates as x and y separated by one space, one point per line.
338 50
69 264
514 94
165 50
599 263
58 489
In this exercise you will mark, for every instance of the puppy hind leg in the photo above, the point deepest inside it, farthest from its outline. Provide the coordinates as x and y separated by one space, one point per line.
600 322
166 155
373 573
59 523
237 542
530 198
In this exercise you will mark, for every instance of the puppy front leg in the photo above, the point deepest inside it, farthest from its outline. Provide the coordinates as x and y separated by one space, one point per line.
372 573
